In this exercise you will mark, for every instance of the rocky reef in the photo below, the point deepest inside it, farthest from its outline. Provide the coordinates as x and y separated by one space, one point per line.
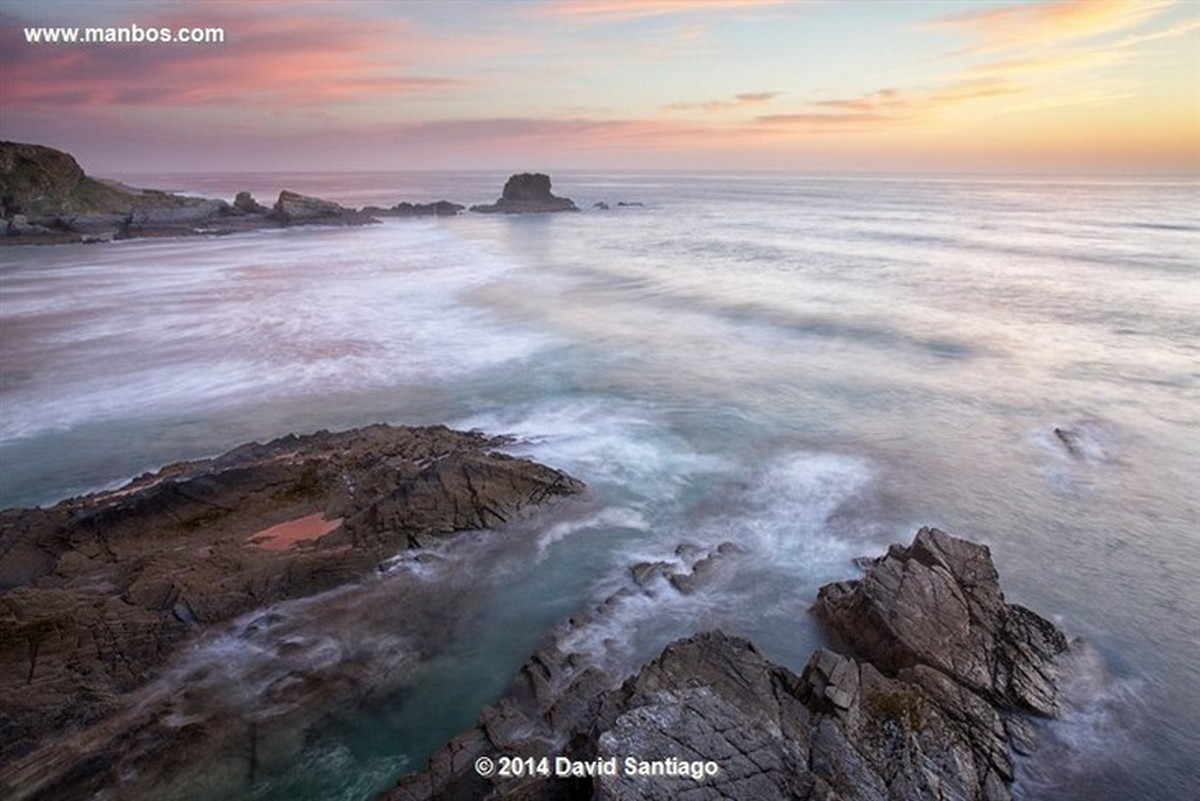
99 593
930 696
527 193
439 208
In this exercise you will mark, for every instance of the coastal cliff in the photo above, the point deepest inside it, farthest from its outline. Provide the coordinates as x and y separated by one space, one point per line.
46 198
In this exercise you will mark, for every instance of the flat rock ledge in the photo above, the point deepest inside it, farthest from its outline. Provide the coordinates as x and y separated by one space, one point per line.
932 695
97 592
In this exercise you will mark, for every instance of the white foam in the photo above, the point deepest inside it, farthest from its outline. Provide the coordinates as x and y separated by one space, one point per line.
602 441
1096 728
174 328
606 519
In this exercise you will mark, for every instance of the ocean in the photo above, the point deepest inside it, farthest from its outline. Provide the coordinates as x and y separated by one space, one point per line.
809 366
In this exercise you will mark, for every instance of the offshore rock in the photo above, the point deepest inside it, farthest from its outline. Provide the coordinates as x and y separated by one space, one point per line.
440 208
527 193
245 202
294 208
930 701
97 592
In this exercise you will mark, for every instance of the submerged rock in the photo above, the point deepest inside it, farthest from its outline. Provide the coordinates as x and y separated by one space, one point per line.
928 702
97 592
527 193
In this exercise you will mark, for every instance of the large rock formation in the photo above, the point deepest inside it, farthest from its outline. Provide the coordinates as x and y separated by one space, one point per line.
930 701
45 198
99 591
527 193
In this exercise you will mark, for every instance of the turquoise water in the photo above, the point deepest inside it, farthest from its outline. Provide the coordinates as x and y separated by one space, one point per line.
810 367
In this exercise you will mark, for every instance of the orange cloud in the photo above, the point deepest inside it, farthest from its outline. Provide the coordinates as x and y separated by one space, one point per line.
738 101
883 108
1049 23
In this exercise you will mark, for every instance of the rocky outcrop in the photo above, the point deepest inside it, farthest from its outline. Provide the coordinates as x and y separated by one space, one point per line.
527 193
930 700
245 203
294 208
440 208
98 591
45 198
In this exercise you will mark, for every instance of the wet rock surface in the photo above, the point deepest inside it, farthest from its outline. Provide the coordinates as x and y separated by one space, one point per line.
931 698
100 592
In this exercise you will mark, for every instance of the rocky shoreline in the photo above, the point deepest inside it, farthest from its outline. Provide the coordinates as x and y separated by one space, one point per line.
932 696
98 594
46 198
930 690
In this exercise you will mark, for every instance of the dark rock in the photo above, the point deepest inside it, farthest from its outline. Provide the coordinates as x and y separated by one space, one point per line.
930 701
293 208
1004 653
245 202
527 193
601 205
629 204
45 198
98 591
440 208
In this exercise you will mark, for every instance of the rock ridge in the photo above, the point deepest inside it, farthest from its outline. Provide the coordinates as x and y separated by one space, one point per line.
931 699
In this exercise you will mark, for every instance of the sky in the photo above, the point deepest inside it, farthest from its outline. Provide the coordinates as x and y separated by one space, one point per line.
1102 86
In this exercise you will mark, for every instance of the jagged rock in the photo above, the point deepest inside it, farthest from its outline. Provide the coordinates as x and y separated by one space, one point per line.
600 205
296 209
908 714
96 592
1005 653
245 202
440 208
527 193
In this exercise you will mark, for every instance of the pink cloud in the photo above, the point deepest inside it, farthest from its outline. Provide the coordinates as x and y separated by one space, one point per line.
266 61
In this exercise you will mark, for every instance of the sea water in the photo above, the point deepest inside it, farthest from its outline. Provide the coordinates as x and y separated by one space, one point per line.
808 366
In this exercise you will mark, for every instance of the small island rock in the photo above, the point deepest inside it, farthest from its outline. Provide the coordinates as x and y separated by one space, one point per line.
527 193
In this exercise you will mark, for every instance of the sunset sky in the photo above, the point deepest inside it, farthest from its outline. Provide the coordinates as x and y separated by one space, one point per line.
1095 86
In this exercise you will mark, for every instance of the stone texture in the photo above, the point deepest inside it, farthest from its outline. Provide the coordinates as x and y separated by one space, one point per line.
97 592
294 208
930 700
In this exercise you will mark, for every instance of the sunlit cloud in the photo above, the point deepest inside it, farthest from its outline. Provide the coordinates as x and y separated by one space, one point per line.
884 108
1049 23
739 101
297 62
